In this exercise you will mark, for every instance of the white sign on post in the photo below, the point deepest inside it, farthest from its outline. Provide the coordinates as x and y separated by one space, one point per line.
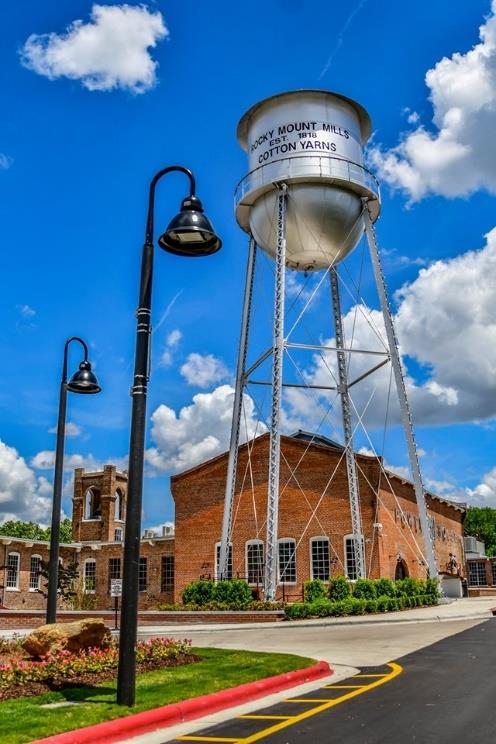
116 587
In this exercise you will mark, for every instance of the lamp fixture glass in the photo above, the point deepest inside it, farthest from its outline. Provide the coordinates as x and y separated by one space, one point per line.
190 233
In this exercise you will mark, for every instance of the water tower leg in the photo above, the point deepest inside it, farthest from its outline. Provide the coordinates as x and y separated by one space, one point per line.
270 579
402 396
237 408
353 488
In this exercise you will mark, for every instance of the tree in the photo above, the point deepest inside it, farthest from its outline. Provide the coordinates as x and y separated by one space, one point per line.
33 531
480 522
67 578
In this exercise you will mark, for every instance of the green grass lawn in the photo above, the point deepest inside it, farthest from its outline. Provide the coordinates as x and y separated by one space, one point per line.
24 719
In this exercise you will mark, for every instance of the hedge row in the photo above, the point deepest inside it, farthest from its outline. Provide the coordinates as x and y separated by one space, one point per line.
339 588
353 606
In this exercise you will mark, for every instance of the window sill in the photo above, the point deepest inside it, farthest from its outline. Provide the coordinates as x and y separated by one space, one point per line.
92 519
12 589
33 591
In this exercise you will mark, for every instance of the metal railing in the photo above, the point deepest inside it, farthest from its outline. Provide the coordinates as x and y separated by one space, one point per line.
317 166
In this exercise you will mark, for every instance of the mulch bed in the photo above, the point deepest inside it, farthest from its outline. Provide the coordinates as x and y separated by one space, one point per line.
90 679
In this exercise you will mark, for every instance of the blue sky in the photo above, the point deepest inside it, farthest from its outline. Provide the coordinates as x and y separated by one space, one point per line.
78 150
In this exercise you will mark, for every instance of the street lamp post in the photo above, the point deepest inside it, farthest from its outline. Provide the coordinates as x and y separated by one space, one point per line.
83 381
188 234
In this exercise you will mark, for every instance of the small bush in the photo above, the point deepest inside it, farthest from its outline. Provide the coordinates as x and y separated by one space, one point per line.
409 586
313 590
358 606
339 588
384 587
235 593
365 589
320 607
297 610
432 588
383 604
371 605
199 592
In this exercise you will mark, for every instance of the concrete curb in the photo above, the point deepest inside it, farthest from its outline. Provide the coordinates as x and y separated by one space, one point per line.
175 713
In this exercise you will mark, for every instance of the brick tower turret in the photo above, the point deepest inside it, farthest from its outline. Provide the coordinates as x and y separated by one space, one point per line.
99 505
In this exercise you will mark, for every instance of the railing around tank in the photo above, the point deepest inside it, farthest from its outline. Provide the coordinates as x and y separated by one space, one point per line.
313 166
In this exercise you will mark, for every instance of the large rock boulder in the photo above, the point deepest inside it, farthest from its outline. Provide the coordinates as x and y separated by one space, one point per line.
72 637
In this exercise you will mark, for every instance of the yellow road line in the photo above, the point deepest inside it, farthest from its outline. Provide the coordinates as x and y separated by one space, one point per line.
320 705
307 700
343 687
396 669
207 738
263 718
368 675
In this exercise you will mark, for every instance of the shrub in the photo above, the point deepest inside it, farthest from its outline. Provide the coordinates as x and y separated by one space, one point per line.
365 589
383 604
432 588
320 607
409 586
235 593
384 587
371 605
339 588
297 610
358 606
313 590
199 592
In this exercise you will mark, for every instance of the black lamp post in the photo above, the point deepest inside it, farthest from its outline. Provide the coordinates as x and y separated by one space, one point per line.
83 381
188 234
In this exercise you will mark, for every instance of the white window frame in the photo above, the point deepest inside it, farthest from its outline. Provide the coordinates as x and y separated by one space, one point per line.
255 541
351 536
118 529
32 588
18 572
217 558
86 562
319 538
87 504
279 581
143 561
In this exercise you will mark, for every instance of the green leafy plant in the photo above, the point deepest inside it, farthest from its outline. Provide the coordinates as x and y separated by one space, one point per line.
365 589
235 593
313 590
339 588
384 588
199 592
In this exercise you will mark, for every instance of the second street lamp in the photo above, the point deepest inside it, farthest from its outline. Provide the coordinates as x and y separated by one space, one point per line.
82 381
189 234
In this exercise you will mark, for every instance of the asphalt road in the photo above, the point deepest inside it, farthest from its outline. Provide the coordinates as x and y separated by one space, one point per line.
445 694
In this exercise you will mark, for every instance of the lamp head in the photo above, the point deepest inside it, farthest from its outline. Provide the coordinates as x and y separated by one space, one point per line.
190 233
83 381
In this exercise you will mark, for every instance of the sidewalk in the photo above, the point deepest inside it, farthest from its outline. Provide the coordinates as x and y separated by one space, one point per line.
478 608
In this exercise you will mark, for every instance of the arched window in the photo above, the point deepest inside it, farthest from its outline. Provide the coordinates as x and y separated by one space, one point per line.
34 573
118 506
90 575
229 562
254 561
92 504
13 562
286 563
350 557
320 558
401 571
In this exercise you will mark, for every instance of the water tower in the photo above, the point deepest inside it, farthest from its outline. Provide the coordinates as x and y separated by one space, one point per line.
306 202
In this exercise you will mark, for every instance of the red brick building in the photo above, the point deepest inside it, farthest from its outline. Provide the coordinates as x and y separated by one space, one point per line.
315 538
314 527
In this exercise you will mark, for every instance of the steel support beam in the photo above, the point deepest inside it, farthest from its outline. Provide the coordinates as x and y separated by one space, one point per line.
401 390
237 408
270 578
353 488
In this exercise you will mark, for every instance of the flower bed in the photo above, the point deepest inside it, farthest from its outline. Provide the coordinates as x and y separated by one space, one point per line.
21 676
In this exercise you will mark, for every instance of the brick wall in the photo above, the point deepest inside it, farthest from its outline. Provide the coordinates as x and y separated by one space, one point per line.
303 513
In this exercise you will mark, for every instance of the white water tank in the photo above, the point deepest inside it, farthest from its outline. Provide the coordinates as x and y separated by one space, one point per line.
312 141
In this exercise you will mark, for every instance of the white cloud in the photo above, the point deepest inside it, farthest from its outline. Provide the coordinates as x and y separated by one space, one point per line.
22 495
71 429
203 370
484 494
446 322
25 311
401 470
5 161
458 157
200 431
110 51
171 343
45 460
